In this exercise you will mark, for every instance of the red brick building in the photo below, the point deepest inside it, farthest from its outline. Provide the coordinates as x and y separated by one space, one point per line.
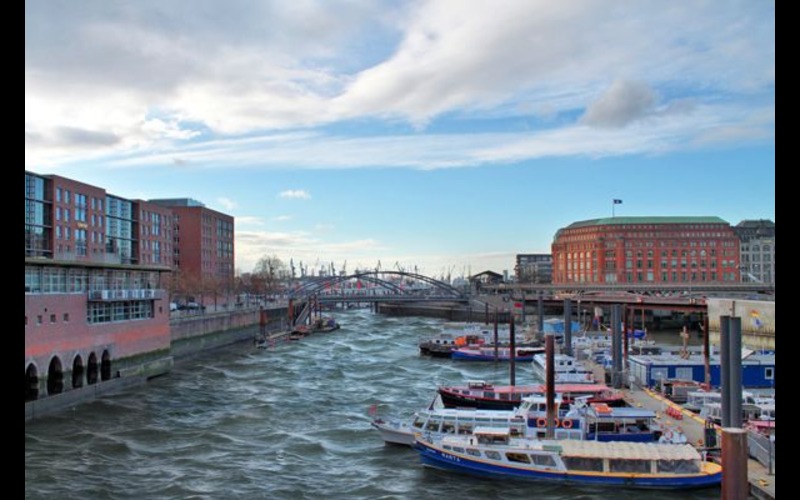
204 244
95 304
646 250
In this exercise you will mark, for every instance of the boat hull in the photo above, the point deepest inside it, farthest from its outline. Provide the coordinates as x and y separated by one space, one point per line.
394 432
432 457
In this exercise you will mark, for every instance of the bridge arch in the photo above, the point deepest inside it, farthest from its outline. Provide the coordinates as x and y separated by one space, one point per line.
379 278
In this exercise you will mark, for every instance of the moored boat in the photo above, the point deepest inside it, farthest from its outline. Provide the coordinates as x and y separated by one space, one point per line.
483 395
486 353
494 453
567 369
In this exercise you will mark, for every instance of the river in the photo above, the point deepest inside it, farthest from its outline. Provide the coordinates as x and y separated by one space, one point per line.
287 422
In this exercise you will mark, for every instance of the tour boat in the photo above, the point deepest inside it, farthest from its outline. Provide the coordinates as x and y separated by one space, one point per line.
494 453
483 395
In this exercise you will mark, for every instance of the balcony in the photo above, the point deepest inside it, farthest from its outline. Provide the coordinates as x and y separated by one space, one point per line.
127 294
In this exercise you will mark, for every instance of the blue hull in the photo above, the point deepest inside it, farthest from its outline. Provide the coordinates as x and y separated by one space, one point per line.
433 458
480 357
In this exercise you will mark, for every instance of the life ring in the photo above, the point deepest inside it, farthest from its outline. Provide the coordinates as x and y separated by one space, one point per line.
555 422
566 423
668 436
541 422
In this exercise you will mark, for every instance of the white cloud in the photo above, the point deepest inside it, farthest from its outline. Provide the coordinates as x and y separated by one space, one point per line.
295 194
151 74
282 218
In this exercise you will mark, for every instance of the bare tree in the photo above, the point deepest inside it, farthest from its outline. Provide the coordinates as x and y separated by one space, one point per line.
268 272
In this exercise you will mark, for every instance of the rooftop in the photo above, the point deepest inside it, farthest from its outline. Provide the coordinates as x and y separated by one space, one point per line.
607 221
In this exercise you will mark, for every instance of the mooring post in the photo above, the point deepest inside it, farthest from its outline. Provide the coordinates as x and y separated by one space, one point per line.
512 353
550 386
540 313
735 485
496 355
725 368
568 326
735 364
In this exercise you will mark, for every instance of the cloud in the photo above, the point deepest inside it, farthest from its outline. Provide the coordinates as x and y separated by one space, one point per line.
282 218
156 75
623 103
226 203
295 194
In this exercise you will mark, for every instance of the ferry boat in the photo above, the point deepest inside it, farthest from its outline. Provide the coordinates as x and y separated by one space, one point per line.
487 353
579 420
494 453
483 395
568 370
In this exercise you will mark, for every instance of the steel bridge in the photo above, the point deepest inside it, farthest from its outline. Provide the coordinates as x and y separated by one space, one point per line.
386 286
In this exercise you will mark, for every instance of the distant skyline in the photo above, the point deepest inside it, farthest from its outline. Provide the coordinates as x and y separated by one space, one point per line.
448 135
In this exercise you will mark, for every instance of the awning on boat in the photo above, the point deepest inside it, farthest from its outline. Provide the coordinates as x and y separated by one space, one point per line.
628 450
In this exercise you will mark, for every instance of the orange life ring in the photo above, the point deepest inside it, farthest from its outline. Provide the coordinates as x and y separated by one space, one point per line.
541 422
555 422
566 423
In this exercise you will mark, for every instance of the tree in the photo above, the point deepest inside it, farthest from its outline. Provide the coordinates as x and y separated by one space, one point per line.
267 273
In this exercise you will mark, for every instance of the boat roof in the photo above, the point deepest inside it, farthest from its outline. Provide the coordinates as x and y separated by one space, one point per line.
627 413
628 450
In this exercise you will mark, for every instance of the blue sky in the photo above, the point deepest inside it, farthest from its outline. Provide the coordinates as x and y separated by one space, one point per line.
446 135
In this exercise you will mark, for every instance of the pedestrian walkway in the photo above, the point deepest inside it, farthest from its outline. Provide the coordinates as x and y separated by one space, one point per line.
674 416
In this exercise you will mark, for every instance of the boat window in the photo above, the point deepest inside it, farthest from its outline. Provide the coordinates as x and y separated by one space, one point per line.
447 447
585 464
544 460
449 427
494 455
620 465
504 396
521 458
465 428
418 422
433 425
678 466
517 430
499 422
473 452
458 449
488 394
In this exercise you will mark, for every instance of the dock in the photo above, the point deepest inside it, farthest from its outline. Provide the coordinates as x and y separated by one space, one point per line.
674 416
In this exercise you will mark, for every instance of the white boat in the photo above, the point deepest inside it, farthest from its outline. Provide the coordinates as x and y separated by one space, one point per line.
494 453
579 421
567 370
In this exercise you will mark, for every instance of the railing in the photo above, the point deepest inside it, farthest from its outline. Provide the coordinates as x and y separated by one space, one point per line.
762 449
126 294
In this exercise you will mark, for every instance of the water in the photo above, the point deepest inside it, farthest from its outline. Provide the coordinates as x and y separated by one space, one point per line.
290 422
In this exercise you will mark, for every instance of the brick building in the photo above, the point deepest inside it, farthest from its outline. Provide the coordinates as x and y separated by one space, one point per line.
646 250
203 246
96 308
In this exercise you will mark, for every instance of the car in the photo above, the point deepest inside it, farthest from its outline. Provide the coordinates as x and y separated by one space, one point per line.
192 305
173 306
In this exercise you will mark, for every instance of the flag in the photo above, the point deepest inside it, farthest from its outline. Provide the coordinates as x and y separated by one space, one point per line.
617 202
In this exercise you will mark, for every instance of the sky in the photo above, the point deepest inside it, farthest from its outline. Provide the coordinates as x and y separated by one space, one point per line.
442 136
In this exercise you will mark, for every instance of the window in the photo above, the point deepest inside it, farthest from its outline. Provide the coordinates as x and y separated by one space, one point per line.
52 318
769 373
39 319
66 317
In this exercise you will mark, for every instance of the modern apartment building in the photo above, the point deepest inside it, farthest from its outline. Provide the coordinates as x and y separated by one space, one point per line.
757 247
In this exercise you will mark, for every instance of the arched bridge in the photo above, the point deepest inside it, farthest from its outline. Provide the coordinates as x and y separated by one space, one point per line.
378 286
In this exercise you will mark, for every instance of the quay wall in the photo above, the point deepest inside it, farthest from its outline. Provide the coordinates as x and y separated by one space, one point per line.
193 334
758 320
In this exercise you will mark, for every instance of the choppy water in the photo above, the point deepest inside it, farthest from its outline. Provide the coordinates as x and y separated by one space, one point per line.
288 422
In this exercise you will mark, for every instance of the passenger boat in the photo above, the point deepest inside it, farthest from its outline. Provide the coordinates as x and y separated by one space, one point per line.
494 453
483 395
487 353
578 420
567 370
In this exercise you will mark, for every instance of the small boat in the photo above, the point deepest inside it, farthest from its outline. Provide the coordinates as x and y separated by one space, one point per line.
483 395
486 353
454 335
494 453
568 370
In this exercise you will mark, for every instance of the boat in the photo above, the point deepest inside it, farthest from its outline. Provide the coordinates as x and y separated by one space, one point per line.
454 335
483 395
577 420
325 324
568 370
487 353
494 453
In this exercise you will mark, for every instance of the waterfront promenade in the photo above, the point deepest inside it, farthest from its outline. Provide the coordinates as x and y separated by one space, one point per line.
762 484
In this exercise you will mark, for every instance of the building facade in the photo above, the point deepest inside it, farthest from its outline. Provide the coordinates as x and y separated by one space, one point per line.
757 247
646 250
534 268
95 305
203 246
